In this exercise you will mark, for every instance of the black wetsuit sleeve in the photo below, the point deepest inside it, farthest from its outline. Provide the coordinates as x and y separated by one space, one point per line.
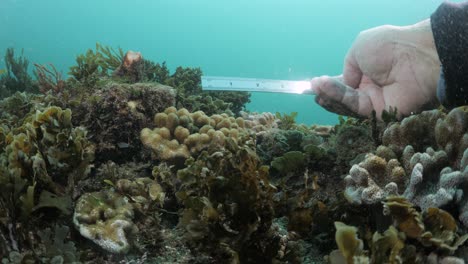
450 29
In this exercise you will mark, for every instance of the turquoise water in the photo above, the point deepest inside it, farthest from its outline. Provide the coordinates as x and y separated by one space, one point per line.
295 39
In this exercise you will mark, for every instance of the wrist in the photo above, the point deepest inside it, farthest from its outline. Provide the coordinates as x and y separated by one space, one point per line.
421 35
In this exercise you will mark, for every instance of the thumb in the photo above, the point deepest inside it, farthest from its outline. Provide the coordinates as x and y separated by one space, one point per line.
335 96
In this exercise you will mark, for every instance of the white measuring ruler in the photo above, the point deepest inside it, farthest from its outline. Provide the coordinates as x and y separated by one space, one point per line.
217 83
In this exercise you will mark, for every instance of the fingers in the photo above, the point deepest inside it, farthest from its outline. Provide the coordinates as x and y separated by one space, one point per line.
339 98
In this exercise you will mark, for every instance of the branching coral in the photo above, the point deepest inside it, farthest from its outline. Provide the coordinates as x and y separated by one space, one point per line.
451 134
431 129
437 177
445 187
362 183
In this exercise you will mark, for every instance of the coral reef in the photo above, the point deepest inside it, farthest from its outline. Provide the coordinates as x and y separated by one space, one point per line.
113 165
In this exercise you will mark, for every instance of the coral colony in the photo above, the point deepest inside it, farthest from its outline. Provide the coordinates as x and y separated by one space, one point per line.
126 162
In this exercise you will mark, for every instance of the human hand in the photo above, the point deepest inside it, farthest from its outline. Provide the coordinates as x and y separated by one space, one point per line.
387 66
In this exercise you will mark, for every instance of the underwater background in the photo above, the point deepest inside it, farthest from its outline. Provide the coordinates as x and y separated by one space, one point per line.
294 40
109 155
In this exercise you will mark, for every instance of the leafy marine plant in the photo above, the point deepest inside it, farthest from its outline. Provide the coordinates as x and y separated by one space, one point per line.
187 82
111 58
49 79
56 248
16 77
87 69
408 240
227 202
287 121
94 65
41 162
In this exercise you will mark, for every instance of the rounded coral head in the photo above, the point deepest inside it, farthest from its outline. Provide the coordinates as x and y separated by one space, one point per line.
131 57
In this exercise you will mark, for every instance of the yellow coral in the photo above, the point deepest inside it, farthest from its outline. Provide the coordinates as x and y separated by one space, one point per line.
160 119
179 133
